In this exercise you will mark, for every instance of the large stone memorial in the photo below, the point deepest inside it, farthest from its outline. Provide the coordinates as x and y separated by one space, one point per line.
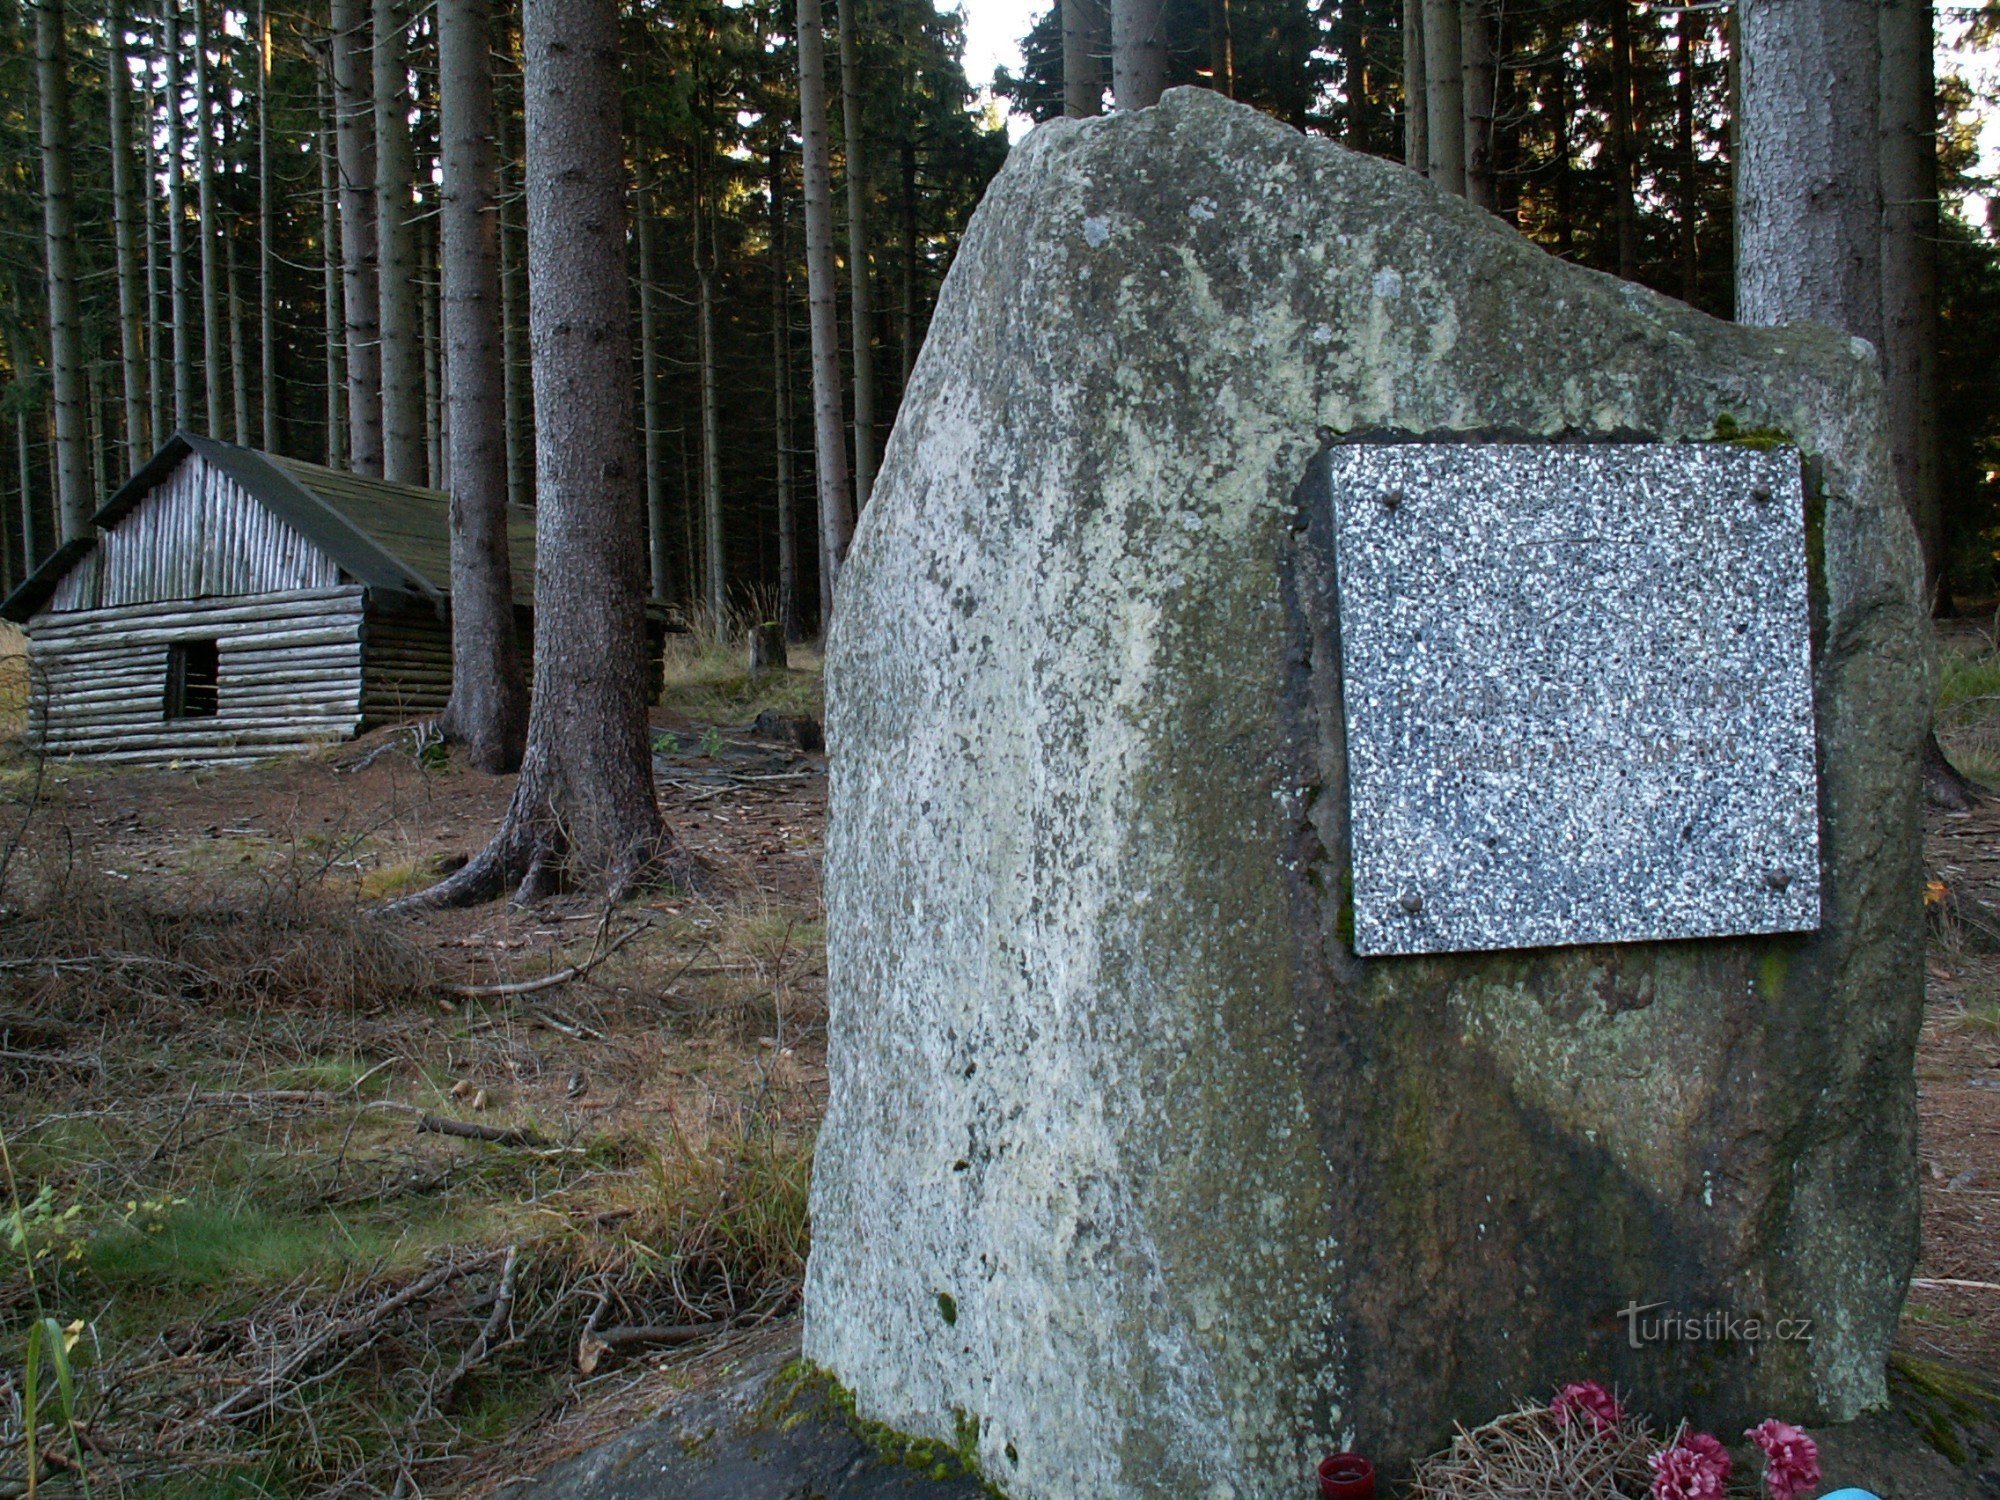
1373 865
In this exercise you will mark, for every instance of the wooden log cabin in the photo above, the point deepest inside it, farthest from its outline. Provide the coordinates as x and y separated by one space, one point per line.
232 605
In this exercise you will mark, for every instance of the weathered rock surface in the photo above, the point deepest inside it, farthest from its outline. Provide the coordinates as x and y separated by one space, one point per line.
1130 1165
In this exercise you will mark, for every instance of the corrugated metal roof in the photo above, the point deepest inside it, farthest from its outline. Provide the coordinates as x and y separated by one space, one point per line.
393 538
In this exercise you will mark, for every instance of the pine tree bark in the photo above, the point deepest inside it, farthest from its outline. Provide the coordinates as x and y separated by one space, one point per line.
781 399
1909 266
267 289
181 309
1809 189
583 811
403 458
1085 40
513 339
652 405
1688 209
429 288
1444 80
1624 162
66 362
156 369
1138 53
836 510
1416 91
488 709
330 276
861 293
354 122
239 364
212 292
125 233
715 552
1476 56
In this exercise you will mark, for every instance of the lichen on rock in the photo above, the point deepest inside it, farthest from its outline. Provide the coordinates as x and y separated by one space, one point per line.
1206 1195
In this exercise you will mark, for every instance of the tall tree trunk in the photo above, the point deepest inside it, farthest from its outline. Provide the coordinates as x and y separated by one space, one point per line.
156 369
1416 90
1624 163
177 249
1085 40
66 361
330 278
399 310
488 710
239 365
651 396
1689 207
1222 48
906 314
125 220
715 552
513 341
1809 187
354 118
861 296
836 509
1444 78
24 462
1138 53
212 291
427 283
267 290
781 398
1909 266
584 809
1476 54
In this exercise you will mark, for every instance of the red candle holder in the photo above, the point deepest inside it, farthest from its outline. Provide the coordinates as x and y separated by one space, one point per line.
1346 1476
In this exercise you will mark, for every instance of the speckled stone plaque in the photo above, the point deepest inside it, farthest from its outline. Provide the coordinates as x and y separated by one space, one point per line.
1578 693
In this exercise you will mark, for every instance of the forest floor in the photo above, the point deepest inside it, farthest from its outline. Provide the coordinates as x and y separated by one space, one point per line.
335 1204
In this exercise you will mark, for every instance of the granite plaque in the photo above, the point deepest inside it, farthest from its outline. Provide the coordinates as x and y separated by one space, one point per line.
1578 693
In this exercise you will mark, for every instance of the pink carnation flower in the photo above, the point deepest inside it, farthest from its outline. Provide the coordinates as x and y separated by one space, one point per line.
1711 1451
1685 1474
1590 1399
1791 1458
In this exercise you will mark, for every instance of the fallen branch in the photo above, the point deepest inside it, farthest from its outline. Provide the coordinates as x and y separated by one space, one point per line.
592 1347
499 1135
1934 1284
547 981
489 1334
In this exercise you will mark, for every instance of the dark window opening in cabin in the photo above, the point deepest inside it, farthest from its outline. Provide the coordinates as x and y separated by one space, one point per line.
192 680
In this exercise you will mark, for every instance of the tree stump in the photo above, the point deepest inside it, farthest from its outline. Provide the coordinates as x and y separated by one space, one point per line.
767 649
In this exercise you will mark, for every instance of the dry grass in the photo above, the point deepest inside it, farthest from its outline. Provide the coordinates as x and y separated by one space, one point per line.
1534 1454
13 681
706 670
218 1093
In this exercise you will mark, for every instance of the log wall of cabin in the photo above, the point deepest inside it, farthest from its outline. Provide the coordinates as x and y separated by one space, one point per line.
406 665
288 676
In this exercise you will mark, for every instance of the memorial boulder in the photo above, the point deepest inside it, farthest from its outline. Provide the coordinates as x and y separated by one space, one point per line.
1373 866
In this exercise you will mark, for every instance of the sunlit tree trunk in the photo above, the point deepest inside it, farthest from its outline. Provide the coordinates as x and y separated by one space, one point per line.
354 117
182 310
1444 78
1138 53
1688 210
330 281
1909 265
715 552
1624 153
156 368
860 276
400 310
1476 56
66 361
836 510
584 809
267 289
214 400
1416 90
1086 40
125 232
651 397
781 398
488 710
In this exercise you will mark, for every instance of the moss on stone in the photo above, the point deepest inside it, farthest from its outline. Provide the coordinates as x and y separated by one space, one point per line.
1954 1412
803 1392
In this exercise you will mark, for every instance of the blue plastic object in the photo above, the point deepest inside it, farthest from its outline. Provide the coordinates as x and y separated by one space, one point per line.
1850 1495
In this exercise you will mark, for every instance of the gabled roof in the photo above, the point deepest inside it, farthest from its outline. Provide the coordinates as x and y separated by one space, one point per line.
391 538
